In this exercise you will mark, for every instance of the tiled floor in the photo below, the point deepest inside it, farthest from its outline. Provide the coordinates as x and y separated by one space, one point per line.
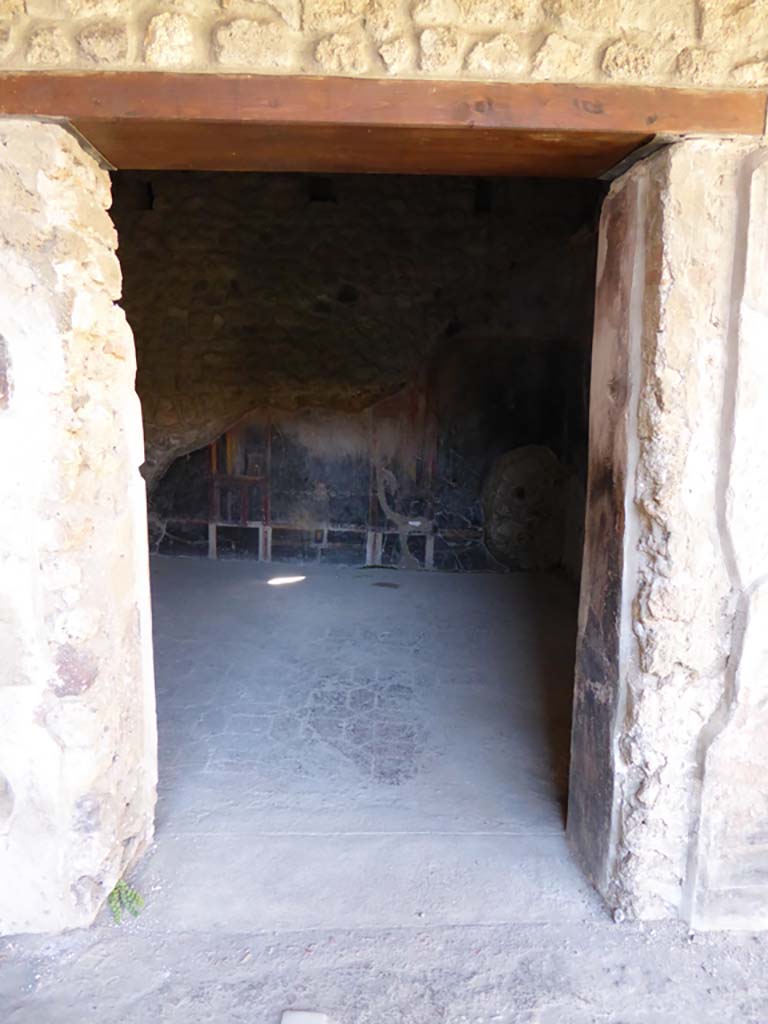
360 813
416 732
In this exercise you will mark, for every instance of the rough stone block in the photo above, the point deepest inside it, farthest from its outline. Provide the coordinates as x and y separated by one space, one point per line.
628 61
559 58
324 15
699 66
260 45
398 54
104 43
343 53
77 722
169 41
751 73
48 46
501 56
440 49
522 15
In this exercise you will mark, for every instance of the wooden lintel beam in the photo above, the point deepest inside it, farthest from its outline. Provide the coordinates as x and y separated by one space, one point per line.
269 99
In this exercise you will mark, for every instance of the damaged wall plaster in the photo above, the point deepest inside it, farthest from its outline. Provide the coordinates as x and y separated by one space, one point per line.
663 818
77 712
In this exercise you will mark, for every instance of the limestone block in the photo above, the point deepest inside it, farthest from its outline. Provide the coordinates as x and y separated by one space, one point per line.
500 56
435 12
398 54
343 53
326 15
77 728
673 20
385 19
734 25
747 493
11 8
440 49
48 46
699 66
583 15
289 10
169 41
98 8
666 297
752 73
627 61
522 15
560 58
260 45
104 43
728 884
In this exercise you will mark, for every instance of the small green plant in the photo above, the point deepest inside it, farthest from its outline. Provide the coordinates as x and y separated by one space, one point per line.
124 897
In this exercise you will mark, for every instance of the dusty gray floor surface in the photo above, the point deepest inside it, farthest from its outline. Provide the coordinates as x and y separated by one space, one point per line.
361 812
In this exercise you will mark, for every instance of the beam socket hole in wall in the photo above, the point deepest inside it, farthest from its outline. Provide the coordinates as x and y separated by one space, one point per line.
321 189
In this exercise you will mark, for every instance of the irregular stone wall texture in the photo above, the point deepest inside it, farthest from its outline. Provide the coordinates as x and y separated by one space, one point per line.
77 717
254 290
672 42
676 773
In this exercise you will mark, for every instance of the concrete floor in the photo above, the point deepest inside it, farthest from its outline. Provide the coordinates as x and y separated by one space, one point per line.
361 812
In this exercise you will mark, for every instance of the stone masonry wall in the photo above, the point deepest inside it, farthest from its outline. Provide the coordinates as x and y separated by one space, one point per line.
669 774
244 291
77 721
671 42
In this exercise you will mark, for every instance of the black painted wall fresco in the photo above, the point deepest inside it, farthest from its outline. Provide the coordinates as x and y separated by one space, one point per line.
362 369
403 483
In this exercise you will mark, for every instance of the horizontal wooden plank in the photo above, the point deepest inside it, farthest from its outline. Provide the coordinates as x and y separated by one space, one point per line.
218 146
265 99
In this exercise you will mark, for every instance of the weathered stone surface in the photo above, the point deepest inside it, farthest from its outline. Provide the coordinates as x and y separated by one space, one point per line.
734 24
636 797
500 56
559 58
627 61
435 12
259 45
397 53
440 50
753 72
658 18
583 15
485 14
76 683
332 14
385 19
97 8
289 10
343 53
48 46
169 41
678 42
104 43
728 875
700 66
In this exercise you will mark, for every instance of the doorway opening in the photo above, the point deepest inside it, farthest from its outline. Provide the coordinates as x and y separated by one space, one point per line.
378 387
